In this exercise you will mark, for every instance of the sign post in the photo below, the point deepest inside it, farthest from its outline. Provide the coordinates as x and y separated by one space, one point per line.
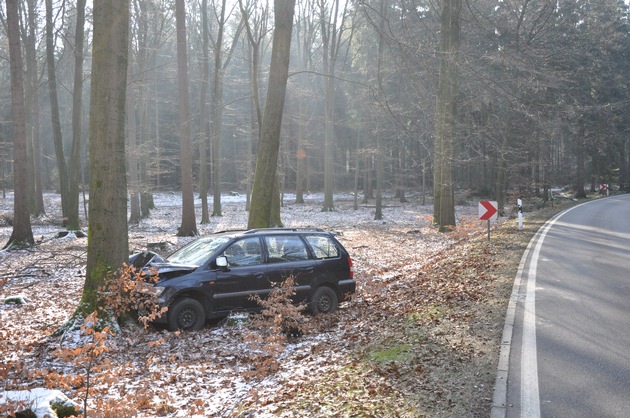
519 202
488 211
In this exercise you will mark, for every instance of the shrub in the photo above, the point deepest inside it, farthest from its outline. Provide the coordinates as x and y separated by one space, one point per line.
90 358
131 290
268 331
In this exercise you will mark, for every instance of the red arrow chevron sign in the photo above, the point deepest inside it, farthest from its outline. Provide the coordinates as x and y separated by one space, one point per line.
488 211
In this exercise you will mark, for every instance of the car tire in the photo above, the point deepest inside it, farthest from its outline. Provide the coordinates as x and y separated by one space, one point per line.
186 314
324 300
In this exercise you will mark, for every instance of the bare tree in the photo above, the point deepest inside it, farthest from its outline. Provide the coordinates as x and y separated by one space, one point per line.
306 30
34 147
256 29
332 18
77 123
188 226
151 28
54 110
203 114
263 211
221 61
22 233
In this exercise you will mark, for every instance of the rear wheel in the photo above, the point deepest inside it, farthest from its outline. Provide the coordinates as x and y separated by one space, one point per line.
186 314
324 300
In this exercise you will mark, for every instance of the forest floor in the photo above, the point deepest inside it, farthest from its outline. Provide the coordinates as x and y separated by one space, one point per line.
421 336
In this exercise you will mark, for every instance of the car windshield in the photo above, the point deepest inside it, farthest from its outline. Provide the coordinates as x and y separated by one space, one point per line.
198 252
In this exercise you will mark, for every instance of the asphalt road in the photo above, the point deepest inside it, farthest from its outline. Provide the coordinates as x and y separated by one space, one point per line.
570 340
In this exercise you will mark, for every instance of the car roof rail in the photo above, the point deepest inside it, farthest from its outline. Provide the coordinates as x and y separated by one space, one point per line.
225 231
300 229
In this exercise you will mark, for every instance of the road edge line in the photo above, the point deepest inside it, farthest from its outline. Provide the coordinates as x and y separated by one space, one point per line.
499 398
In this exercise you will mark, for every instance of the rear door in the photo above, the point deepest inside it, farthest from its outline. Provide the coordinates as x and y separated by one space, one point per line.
288 256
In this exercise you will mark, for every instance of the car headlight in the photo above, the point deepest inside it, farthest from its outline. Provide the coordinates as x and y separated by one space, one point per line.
149 289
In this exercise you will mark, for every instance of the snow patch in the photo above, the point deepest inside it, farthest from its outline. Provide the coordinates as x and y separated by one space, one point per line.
38 400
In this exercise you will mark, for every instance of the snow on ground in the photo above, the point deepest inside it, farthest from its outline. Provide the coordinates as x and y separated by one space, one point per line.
38 399
205 373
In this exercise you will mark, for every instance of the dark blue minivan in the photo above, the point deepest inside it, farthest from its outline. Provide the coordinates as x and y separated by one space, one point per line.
219 274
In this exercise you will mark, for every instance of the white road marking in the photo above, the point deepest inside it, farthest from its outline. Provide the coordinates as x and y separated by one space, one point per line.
530 397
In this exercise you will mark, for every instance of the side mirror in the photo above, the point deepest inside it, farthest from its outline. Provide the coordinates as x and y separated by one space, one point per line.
222 262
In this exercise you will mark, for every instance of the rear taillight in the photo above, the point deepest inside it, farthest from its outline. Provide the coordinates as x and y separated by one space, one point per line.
351 268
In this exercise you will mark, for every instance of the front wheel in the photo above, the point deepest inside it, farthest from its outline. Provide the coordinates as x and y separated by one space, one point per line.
324 300
186 314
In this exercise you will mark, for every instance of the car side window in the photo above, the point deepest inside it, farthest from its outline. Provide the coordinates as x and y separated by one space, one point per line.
244 252
322 246
285 248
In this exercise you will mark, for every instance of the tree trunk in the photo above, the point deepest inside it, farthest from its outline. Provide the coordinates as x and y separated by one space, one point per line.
188 226
357 170
500 186
132 139
72 217
331 33
305 28
132 134
368 190
378 215
203 118
265 207
54 111
217 115
581 176
22 233
443 185
301 153
256 30
108 246
329 133
255 120
36 196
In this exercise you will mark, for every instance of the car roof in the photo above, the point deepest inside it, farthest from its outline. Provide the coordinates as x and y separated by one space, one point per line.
256 231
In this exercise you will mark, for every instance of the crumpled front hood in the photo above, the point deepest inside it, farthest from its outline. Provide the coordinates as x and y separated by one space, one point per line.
151 263
168 271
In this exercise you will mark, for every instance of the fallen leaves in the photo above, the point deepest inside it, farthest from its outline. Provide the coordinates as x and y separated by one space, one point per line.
408 344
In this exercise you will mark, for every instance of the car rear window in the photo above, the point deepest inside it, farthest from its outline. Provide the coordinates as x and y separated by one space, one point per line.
322 246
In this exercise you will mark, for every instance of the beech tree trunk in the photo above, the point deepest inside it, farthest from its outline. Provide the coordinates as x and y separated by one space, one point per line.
36 197
108 246
72 217
217 115
54 110
22 233
443 184
189 225
132 138
265 206
203 118
256 30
